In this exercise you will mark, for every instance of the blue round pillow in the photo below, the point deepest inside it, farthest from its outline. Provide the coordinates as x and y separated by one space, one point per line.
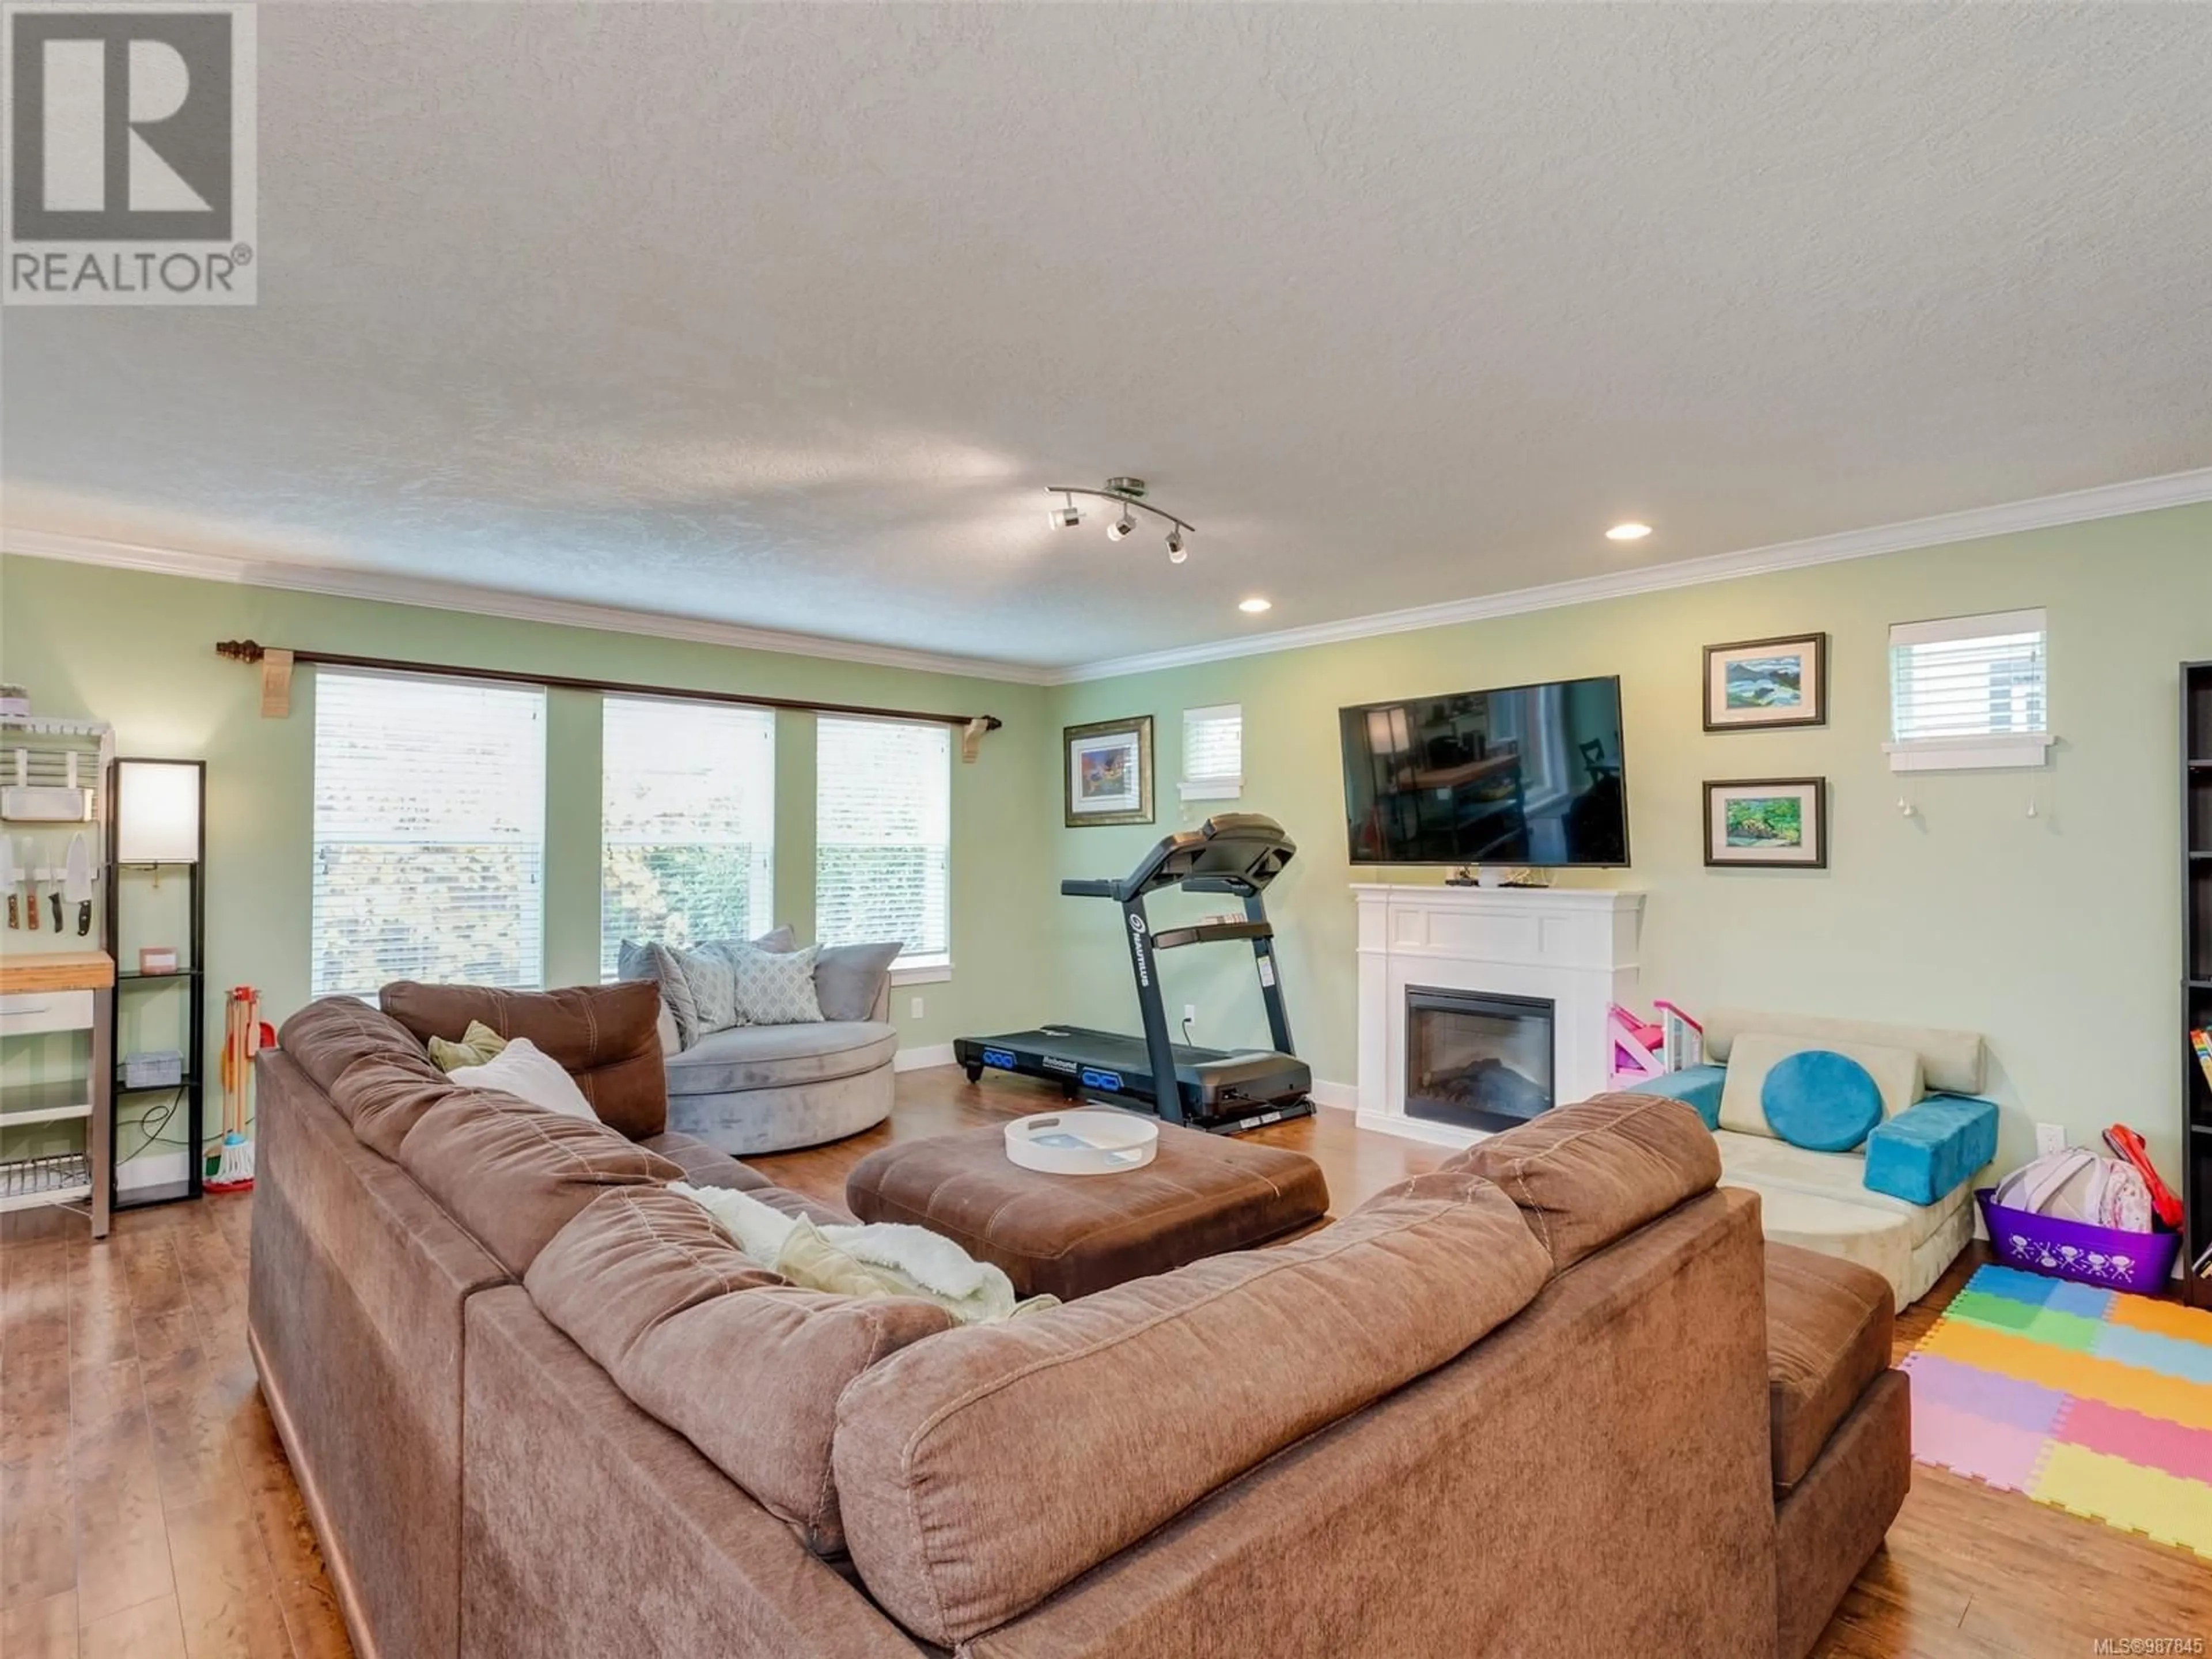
1821 1100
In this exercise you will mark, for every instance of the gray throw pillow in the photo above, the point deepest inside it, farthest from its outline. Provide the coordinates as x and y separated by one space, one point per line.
713 989
667 968
776 987
848 978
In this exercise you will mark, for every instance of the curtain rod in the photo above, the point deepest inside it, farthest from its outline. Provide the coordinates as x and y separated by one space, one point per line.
250 651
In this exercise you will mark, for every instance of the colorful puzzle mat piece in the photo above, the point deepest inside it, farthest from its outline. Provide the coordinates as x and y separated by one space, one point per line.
2094 1401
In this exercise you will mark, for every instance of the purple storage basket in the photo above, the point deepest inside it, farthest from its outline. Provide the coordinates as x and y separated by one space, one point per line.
2073 1249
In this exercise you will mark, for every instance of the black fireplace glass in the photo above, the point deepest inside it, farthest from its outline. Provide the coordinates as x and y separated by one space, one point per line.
1478 1061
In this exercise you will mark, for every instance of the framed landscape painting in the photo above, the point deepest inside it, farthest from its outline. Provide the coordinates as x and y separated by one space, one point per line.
1109 771
1757 684
1768 823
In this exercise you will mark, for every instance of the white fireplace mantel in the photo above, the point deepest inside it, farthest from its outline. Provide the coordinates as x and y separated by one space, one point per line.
1575 947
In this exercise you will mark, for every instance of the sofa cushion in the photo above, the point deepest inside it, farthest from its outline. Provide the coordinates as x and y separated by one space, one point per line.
849 980
1895 1071
329 1036
1821 1100
1768 1164
983 1470
704 1165
745 1367
1828 1325
776 1056
1584 1176
1954 1060
1925 1154
384 1100
603 1035
513 1174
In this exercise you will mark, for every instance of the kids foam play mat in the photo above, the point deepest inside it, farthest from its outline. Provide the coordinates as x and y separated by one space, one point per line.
2095 1401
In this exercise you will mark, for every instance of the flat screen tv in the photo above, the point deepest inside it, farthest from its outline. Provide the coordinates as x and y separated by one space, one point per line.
1526 774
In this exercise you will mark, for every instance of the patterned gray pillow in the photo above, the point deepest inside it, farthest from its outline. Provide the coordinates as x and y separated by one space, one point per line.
713 989
663 965
776 987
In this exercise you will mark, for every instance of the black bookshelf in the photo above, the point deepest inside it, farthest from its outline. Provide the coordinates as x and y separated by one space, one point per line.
2195 969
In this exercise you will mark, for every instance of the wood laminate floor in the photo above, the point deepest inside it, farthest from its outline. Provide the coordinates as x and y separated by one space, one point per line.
146 1510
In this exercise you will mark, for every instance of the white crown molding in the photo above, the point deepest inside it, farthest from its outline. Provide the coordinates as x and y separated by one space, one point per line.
2043 513
2075 507
491 602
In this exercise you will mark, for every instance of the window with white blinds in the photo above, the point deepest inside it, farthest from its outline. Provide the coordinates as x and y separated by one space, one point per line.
1213 752
687 824
1969 691
429 833
883 835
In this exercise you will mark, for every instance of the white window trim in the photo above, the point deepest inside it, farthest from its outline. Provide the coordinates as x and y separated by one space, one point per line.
1211 788
1988 754
921 970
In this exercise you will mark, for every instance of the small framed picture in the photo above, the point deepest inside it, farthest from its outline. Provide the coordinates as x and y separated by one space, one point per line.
1757 684
1109 771
1767 824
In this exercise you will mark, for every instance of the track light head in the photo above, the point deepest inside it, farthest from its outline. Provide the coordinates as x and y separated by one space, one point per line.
1065 517
1122 526
1177 551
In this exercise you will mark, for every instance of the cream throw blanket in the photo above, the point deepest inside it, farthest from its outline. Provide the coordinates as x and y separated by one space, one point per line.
882 1258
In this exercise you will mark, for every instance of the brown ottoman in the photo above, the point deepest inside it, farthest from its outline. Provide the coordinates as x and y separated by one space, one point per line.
1067 1235
1841 1433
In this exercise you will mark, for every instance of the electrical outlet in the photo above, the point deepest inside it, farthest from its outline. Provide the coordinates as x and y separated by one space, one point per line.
2049 1137
913 1007
1190 1013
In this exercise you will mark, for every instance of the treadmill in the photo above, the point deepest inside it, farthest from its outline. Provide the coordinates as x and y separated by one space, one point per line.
1222 1091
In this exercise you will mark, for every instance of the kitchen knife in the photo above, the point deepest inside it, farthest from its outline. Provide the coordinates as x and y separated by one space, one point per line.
8 880
77 883
31 884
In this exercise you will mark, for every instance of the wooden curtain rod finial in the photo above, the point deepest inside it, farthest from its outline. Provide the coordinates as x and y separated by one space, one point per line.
239 650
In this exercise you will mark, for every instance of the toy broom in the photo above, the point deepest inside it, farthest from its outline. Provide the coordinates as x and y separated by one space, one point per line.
242 1036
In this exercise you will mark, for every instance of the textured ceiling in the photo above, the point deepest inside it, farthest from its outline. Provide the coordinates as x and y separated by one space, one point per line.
783 316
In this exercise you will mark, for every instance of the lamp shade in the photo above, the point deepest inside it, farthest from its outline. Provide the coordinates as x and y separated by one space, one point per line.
157 811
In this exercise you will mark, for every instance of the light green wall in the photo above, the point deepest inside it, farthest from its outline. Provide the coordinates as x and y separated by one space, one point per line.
137 651
2057 936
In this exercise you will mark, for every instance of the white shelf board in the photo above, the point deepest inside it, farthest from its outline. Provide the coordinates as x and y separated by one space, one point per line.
75 1194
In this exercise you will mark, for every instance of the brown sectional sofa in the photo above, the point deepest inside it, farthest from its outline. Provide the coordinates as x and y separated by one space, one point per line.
539 1407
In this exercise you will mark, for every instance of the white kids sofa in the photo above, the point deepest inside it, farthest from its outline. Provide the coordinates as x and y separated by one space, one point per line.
1894 1199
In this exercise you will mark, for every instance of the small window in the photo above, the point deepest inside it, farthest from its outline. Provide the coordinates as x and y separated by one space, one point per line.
429 834
687 824
1213 752
882 836
1969 692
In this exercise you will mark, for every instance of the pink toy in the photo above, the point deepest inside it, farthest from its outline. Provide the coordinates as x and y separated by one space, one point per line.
1636 1045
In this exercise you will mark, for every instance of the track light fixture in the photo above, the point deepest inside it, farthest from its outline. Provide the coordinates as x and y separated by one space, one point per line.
1128 495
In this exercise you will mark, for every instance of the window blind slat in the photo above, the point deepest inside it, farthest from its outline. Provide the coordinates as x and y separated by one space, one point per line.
429 834
687 824
883 834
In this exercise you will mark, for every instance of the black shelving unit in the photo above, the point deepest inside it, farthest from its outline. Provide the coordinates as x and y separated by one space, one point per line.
2197 971
189 1089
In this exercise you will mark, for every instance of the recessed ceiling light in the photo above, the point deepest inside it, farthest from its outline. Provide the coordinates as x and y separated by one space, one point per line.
1254 606
1631 531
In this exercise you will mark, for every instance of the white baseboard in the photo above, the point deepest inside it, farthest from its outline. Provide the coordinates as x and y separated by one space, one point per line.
1413 1129
1345 1097
915 1059
154 1170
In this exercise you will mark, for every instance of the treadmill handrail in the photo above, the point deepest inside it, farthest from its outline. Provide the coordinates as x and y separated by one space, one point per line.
1076 887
